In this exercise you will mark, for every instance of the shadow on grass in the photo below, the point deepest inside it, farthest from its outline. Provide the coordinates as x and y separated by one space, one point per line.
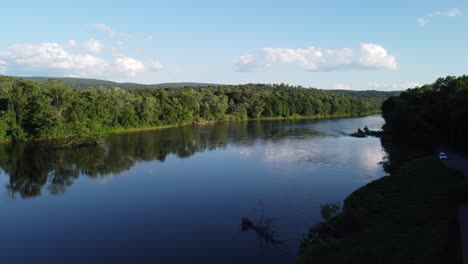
408 217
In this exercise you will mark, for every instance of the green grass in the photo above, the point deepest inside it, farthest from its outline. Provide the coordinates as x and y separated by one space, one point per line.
408 217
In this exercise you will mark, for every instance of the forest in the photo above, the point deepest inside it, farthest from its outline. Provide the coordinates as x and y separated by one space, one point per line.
54 109
431 114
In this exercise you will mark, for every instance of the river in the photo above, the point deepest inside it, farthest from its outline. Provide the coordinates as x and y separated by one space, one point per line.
178 195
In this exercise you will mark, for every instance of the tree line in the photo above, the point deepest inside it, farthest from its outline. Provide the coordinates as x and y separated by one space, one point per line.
53 109
432 114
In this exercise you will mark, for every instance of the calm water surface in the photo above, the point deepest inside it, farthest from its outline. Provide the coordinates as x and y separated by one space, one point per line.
177 195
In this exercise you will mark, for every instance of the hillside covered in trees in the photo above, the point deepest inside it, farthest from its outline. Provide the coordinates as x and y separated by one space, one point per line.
51 109
367 94
434 113
81 83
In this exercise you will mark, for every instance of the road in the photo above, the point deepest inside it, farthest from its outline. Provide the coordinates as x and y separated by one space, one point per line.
457 162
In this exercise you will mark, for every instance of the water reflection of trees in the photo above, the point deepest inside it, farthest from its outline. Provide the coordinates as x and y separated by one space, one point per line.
31 167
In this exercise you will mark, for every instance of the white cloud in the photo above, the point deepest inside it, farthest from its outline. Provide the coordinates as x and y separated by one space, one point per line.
106 29
129 66
454 12
343 56
375 56
394 86
47 54
309 58
368 56
342 86
94 46
110 32
247 62
422 22
52 58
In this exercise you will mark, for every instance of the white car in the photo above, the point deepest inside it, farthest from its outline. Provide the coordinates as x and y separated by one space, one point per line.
443 156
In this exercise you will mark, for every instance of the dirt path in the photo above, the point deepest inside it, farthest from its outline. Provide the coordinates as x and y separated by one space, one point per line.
457 162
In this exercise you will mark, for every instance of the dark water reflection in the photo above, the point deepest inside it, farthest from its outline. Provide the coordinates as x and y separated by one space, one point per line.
177 195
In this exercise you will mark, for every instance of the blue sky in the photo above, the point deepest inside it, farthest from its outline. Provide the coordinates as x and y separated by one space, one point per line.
326 44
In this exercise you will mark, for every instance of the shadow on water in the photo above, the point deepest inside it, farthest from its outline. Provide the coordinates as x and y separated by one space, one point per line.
31 166
266 234
263 229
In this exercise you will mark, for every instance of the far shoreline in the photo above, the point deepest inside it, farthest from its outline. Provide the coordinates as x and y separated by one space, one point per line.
116 131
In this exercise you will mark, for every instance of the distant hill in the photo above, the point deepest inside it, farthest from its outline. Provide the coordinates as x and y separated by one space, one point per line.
85 83
81 83
367 93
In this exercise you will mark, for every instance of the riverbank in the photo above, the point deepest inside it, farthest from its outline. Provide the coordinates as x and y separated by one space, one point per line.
407 217
208 123
122 130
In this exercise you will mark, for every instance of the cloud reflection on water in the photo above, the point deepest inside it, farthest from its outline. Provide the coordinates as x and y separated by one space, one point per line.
319 152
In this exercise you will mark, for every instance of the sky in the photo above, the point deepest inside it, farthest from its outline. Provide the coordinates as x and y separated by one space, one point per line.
359 45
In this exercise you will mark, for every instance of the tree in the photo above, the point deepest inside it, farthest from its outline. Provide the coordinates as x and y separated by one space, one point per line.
53 109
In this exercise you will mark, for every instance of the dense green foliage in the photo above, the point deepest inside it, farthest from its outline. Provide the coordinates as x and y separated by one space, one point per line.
408 217
30 110
434 113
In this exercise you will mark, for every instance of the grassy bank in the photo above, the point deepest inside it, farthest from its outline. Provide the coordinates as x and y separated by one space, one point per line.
408 217
120 130
299 117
